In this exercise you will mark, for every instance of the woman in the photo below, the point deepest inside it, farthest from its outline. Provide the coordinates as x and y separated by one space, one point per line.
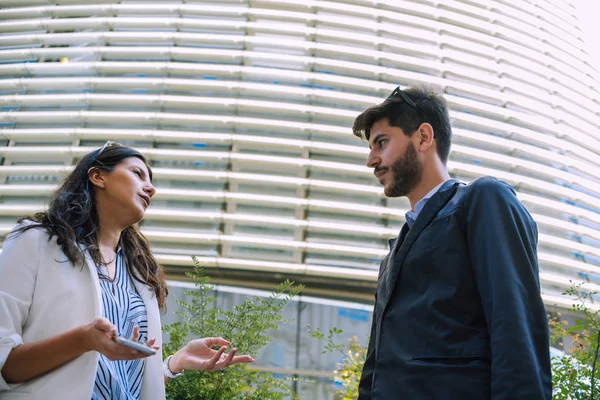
77 276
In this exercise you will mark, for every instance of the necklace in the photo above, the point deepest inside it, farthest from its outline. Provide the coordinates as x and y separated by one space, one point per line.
104 267
102 263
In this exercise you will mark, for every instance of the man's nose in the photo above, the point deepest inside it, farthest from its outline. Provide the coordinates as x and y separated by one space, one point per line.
373 160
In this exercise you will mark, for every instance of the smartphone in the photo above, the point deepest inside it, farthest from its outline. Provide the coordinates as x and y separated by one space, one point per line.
142 348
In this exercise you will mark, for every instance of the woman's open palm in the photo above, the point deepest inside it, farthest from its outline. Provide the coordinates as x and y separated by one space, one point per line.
198 355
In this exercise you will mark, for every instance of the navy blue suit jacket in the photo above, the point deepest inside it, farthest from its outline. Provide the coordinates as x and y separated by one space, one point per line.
458 313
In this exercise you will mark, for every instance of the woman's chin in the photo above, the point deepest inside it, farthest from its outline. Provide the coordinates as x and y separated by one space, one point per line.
133 217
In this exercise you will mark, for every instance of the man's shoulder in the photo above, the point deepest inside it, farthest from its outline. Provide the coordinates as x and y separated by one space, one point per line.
487 187
486 194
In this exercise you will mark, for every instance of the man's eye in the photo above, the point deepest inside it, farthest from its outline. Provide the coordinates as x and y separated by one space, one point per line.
381 142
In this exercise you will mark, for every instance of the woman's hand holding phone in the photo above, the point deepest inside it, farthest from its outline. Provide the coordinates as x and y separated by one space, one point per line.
101 336
141 347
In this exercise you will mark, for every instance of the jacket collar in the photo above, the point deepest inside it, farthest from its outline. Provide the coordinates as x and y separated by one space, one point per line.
408 236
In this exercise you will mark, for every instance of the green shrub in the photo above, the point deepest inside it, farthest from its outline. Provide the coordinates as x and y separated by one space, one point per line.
575 374
348 371
246 327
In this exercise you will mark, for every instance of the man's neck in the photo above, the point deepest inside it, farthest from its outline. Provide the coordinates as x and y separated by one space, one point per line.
430 180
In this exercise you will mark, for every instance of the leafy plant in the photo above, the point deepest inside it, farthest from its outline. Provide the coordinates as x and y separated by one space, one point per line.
347 371
246 327
575 374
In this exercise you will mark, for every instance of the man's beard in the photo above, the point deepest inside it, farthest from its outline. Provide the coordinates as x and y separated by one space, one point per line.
407 172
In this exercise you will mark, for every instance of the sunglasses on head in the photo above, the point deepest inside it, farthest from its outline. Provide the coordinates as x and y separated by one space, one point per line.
398 94
109 143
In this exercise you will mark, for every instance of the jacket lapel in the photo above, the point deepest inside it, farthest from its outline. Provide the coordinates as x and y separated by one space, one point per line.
402 247
97 292
153 385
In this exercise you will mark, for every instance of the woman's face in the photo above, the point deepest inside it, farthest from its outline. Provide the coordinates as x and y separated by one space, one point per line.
125 192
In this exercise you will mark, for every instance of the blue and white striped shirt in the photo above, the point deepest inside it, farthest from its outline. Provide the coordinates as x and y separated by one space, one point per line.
123 307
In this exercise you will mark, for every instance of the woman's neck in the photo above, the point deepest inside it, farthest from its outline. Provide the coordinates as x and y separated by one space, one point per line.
109 228
108 236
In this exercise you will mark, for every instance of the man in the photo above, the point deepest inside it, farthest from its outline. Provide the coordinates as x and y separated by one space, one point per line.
458 313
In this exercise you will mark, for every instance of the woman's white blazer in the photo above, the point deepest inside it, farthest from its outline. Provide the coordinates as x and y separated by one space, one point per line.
42 295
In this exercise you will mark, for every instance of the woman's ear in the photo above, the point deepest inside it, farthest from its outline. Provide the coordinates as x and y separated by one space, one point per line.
96 177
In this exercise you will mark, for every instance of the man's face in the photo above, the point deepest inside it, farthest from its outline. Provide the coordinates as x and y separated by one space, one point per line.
394 159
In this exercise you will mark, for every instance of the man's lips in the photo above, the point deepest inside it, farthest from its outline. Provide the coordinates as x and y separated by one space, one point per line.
379 174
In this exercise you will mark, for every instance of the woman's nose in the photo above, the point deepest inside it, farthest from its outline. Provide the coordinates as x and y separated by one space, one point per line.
150 190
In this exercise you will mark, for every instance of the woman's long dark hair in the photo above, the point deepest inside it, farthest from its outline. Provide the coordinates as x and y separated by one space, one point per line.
73 219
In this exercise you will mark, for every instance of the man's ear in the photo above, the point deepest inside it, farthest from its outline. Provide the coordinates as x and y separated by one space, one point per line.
96 177
426 136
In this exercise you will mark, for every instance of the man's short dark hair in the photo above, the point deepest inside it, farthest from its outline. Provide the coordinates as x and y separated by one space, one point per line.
403 116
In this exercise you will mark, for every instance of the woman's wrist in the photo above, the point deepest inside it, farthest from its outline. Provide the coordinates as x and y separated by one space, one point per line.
176 363
82 333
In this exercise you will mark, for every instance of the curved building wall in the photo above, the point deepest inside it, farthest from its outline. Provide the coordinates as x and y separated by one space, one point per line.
245 107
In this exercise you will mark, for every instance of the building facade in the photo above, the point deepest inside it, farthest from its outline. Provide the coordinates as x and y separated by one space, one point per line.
244 109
